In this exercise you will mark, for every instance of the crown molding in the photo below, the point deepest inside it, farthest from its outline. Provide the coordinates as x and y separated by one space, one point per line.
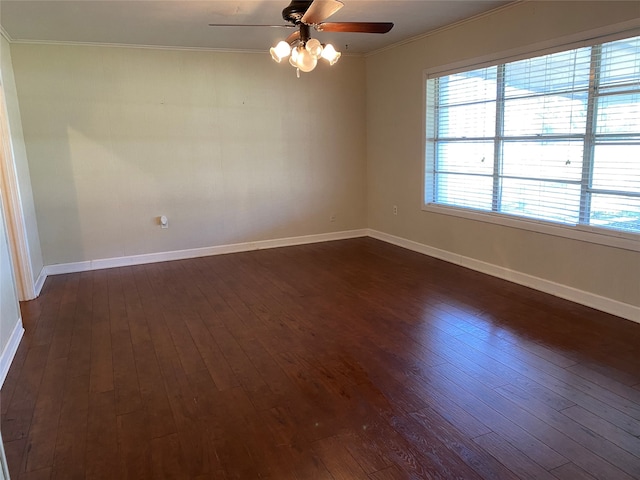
5 34
132 45
445 28
149 47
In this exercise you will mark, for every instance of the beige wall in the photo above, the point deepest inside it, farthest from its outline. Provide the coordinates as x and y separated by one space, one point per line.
230 147
394 145
20 158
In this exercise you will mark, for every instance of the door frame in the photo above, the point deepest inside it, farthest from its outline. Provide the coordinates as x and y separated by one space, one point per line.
13 213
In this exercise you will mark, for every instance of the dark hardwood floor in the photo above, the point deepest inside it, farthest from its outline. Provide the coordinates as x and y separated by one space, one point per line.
341 360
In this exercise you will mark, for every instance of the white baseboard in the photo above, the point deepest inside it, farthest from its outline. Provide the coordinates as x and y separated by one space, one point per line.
608 305
199 252
10 350
592 300
40 281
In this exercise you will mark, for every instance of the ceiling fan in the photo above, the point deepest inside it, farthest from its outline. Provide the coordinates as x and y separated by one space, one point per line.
302 50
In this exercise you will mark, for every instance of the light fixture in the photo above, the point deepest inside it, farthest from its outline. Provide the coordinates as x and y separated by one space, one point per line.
304 52
280 51
330 54
293 59
305 61
314 47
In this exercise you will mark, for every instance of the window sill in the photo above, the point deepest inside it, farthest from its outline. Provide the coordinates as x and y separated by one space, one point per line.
600 236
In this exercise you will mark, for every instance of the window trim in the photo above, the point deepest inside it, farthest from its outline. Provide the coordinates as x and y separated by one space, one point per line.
586 233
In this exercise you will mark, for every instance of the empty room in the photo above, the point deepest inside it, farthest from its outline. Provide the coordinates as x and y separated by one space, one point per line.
319 239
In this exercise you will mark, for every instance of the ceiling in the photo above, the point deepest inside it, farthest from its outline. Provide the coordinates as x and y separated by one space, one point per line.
184 23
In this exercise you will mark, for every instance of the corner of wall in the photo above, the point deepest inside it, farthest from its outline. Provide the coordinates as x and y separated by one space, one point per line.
21 216
39 283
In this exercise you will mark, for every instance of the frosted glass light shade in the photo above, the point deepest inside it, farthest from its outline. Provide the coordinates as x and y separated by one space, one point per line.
294 57
330 54
280 51
314 47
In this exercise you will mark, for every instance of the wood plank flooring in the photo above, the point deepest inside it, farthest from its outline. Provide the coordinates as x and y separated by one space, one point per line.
341 360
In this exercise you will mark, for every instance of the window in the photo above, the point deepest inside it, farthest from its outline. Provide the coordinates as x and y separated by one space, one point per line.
554 138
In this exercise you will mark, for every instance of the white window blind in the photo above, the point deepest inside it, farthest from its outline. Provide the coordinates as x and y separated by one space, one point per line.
553 138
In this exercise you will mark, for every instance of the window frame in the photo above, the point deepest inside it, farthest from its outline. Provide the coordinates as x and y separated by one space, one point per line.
588 233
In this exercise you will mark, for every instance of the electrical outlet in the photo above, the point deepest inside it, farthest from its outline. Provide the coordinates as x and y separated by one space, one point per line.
332 218
163 221
395 209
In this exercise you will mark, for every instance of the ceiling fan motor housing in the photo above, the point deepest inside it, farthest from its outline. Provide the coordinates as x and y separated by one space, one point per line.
294 12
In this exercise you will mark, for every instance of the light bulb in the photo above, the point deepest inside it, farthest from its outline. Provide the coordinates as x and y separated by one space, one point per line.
294 57
305 61
280 51
330 54
314 47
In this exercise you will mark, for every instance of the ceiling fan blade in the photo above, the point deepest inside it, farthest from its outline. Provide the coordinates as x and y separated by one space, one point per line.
356 27
295 36
320 10
248 25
